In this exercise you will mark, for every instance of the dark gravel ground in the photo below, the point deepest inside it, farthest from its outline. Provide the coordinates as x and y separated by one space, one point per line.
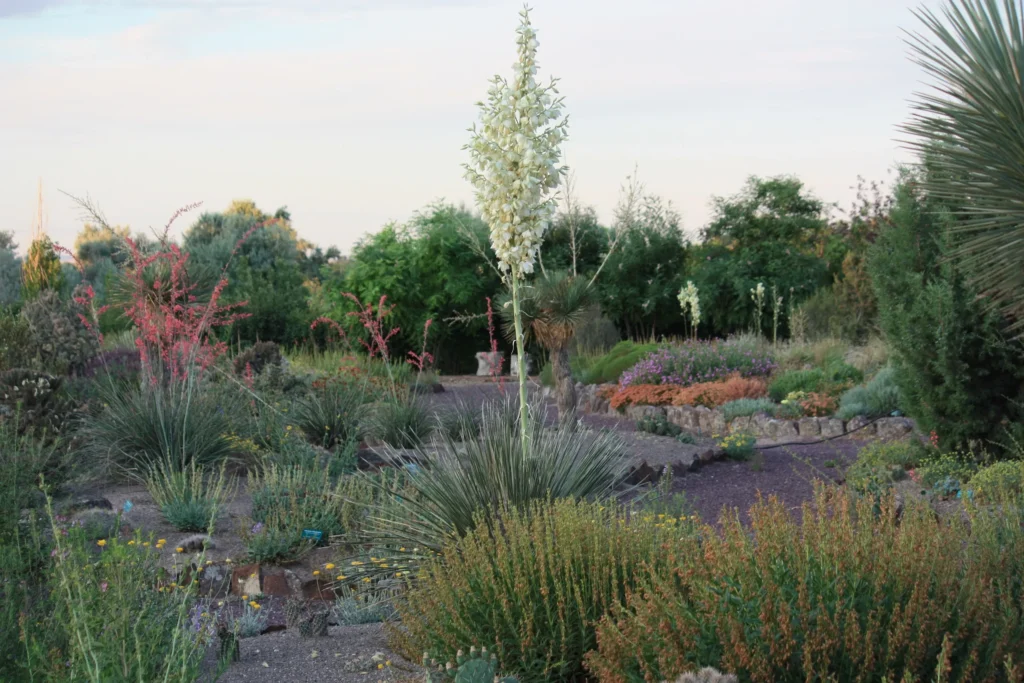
787 472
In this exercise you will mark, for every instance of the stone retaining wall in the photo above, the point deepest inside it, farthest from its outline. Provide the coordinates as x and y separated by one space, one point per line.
706 421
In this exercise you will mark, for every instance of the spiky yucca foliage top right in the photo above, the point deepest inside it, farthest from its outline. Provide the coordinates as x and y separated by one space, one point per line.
970 127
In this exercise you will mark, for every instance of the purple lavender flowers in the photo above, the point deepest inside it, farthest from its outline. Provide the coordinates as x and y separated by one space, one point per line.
701 361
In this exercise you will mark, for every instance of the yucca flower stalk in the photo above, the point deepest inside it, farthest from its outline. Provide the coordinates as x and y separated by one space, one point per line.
689 301
514 170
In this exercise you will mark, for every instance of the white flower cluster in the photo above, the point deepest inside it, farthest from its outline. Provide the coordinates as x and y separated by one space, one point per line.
688 299
514 157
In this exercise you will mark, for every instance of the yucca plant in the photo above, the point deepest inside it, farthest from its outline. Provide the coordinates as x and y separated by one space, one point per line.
455 480
190 498
553 306
969 129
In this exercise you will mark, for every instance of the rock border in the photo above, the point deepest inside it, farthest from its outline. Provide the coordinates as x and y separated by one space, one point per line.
702 420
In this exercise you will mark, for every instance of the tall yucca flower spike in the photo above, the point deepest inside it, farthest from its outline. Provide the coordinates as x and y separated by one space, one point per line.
514 157
514 169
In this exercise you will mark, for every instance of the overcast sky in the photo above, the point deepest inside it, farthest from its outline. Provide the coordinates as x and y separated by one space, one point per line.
353 113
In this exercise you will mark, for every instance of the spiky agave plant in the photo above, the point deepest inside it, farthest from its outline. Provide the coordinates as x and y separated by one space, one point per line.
969 129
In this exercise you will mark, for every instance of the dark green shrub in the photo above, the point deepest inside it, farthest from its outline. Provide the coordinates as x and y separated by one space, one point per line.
606 369
257 358
16 347
958 370
840 372
61 342
807 381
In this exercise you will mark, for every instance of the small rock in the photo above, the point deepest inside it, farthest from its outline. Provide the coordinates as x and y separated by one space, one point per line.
861 425
70 507
708 455
641 474
891 428
808 426
197 542
96 523
830 426
245 580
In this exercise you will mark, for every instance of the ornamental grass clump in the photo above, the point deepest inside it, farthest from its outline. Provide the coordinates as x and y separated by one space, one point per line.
851 591
453 482
696 362
190 499
534 589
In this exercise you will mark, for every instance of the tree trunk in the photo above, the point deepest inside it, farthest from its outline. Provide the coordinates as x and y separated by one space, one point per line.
565 387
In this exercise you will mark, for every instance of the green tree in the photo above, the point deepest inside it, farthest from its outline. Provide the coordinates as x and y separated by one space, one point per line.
41 270
10 270
958 370
771 232
639 281
264 270
428 273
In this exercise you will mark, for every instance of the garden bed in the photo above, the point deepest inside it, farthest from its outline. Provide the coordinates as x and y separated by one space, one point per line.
766 429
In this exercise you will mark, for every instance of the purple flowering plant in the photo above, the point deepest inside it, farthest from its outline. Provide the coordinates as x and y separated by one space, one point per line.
692 362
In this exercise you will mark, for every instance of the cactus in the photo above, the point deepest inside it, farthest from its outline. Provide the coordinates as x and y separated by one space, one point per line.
477 667
227 641
706 675
292 612
313 625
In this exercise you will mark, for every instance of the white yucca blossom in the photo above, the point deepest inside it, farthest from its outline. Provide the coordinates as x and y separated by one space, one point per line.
514 157
689 299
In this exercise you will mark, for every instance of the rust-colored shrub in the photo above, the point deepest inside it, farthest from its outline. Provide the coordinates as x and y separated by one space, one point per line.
710 394
849 592
714 394
819 404
645 395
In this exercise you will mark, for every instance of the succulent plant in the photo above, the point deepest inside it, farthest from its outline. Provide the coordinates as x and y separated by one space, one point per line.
313 625
227 644
293 610
706 675
477 667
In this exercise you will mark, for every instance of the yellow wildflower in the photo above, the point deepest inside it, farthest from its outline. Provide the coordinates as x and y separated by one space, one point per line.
316 572
101 542
329 565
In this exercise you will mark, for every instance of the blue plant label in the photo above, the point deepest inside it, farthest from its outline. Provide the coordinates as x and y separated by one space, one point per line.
313 534
127 507
412 467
